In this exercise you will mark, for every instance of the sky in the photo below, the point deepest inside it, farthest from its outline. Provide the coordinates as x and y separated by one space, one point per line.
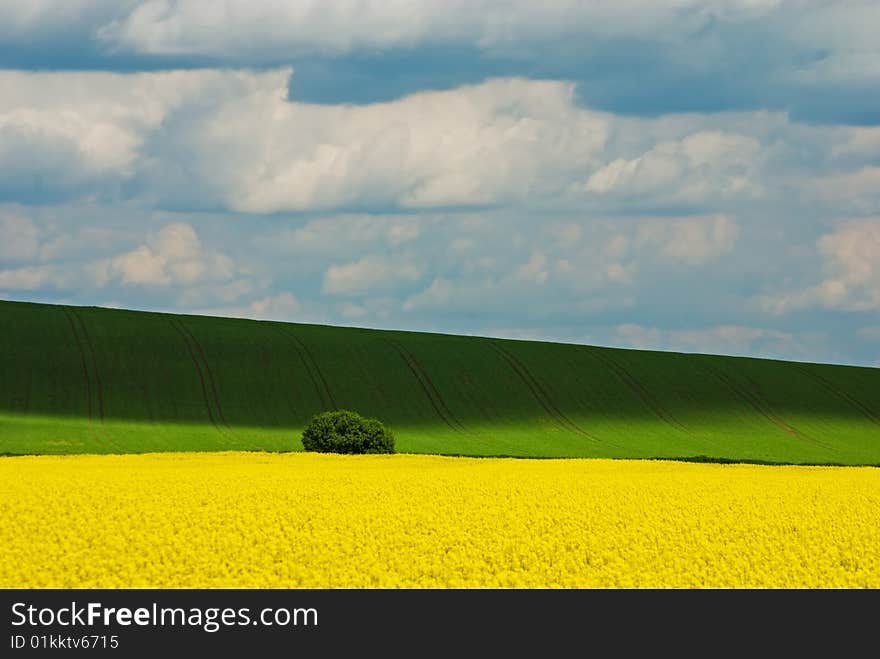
686 175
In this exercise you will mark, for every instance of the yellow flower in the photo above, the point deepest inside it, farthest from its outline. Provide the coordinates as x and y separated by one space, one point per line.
252 520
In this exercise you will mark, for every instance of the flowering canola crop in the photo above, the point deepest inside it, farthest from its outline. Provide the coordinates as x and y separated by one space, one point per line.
256 520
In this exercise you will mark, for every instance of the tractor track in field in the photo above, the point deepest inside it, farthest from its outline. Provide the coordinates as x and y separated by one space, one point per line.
99 437
206 378
757 402
208 371
98 384
828 386
541 396
26 392
268 357
82 357
428 387
198 367
312 369
643 394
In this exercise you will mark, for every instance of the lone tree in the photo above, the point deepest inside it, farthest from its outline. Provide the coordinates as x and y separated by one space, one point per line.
343 431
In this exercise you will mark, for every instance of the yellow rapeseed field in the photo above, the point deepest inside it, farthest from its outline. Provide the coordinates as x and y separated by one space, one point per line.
254 520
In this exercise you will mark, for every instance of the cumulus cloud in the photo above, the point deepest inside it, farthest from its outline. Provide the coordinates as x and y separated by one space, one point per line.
371 273
846 36
369 309
274 29
347 233
83 132
739 53
857 141
291 29
282 303
690 240
535 270
28 278
19 237
851 267
500 141
859 190
73 241
437 295
231 140
564 267
29 20
685 170
284 30
173 256
586 255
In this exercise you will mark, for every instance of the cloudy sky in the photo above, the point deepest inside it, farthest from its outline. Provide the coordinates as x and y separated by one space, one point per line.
689 175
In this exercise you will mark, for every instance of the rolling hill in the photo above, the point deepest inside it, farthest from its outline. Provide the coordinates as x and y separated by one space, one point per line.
95 380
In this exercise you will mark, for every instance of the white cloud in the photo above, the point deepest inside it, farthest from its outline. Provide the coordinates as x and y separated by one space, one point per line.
29 278
62 132
858 190
435 296
561 266
291 28
812 42
74 241
19 237
495 142
282 303
353 311
373 308
337 27
851 267
221 139
689 241
858 141
584 256
402 232
700 164
370 273
286 30
173 256
848 37
29 20
231 138
345 233
535 270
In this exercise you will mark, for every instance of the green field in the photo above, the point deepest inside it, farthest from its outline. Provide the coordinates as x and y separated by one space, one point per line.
94 380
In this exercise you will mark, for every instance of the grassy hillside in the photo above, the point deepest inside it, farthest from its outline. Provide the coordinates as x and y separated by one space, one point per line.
84 379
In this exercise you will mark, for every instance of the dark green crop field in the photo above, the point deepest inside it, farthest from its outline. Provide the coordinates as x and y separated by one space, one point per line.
94 380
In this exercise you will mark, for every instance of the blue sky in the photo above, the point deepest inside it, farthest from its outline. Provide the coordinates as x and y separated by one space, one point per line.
690 176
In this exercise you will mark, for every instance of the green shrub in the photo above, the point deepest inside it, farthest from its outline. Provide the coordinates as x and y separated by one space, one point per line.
343 431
